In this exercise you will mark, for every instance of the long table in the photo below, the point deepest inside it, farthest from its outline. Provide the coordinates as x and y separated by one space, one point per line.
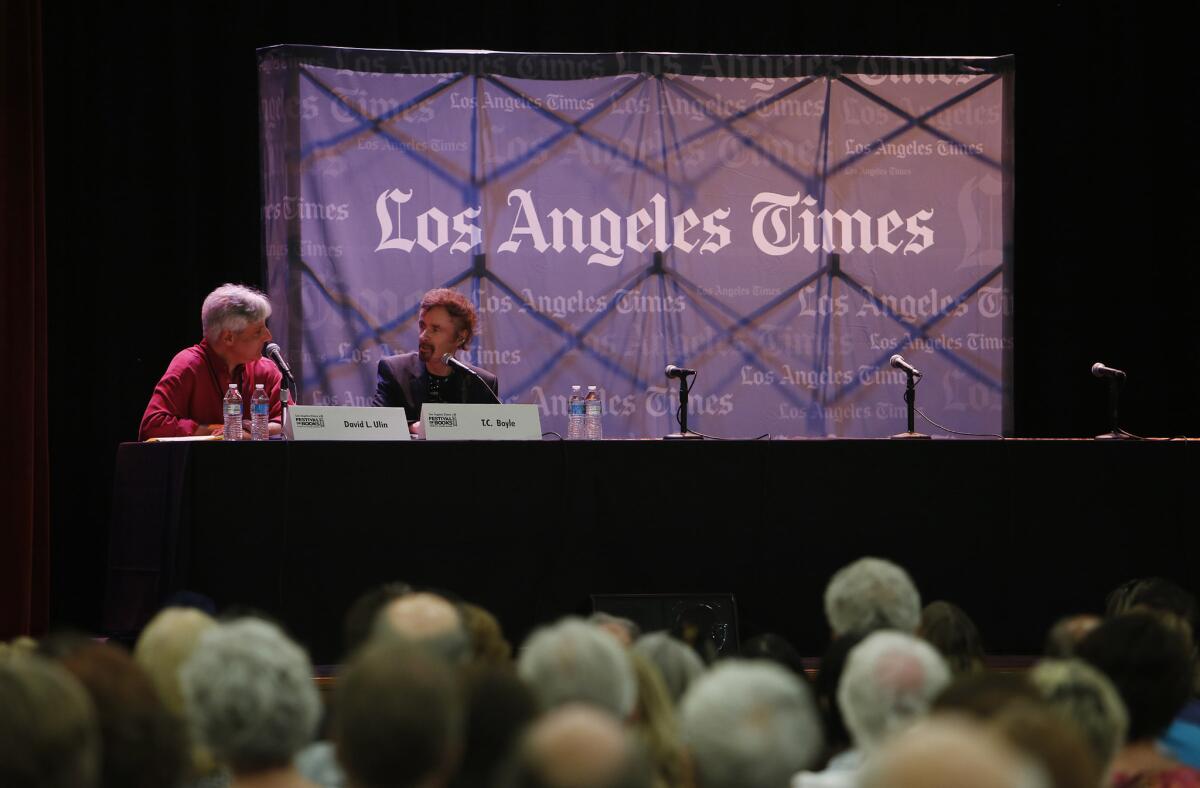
1016 532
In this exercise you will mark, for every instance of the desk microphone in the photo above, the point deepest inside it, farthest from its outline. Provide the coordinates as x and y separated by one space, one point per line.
272 351
449 360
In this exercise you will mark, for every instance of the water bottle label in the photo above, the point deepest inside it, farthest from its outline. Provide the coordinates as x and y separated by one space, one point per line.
577 408
233 409
260 409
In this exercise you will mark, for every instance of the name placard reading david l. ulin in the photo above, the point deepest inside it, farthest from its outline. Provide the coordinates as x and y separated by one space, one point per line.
334 423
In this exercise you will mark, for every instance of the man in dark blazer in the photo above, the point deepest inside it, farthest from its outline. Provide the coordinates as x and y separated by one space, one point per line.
446 322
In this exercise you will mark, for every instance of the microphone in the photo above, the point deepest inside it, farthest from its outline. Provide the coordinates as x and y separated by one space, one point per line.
1101 371
678 372
449 360
899 363
272 351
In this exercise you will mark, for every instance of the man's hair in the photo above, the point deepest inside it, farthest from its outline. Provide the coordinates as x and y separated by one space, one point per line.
1084 696
398 718
1149 663
573 660
461 310
872 593
677 662
250 694
48 732
749 725
890 680
231 308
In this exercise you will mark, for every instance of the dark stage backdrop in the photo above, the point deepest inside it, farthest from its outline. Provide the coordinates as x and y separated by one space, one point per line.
153 194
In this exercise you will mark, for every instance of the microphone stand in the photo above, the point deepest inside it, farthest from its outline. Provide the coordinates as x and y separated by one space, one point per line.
285 387
1114 395
910 399
684 433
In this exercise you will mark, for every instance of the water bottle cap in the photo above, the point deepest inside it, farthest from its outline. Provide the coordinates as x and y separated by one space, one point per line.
574 388
591 388
232 385
258 385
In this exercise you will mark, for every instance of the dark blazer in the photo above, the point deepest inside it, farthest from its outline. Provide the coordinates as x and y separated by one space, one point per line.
403 381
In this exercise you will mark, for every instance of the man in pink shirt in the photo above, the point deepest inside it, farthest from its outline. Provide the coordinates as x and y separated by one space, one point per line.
187 400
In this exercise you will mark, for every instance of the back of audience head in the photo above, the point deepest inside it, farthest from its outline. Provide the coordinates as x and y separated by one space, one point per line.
871 593
984 695
1050 741
575 661
654 721
773 647
250 695
1085 697
749 725
429 620
1150 664
625 630
49 736
889 681
488 644
677 663
359 622
143 745
1066 633
165 644
498 706
946 751
951 631
1154 594
398 719
577 746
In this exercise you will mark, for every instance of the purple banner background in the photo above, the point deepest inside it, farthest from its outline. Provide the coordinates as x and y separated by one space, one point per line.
784 236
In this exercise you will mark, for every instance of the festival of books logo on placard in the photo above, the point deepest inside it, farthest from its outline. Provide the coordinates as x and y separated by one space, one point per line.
443 420
310 421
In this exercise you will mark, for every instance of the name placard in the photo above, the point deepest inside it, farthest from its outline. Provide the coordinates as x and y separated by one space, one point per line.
481 422
334 423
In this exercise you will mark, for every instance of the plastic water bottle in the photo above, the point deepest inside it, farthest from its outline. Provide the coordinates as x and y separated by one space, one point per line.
260 414
593 409
232 409
575 415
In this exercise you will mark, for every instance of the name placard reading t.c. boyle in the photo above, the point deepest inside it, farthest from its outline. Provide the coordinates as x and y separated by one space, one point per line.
481 422
334 423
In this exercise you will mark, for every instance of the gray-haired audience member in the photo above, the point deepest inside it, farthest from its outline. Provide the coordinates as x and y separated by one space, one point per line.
677 662
431 621
872 593
574 661
1084 696
749 725
577 746
398 721
48 731
948 751
250 695
889 681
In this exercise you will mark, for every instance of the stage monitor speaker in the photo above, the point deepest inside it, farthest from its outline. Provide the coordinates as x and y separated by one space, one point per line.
708 622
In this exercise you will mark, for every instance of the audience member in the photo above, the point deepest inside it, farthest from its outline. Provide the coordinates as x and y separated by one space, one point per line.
250 695
49 736
677 663
1066 633
498 708
577 746
399 718
749 725
871 593
1085 697
574 661
430 620
488 644
951 631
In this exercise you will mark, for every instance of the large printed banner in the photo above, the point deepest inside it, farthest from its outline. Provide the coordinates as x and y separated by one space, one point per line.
782 225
